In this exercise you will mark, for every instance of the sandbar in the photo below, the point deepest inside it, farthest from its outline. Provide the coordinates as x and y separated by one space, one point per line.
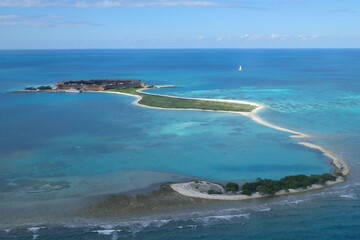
186 189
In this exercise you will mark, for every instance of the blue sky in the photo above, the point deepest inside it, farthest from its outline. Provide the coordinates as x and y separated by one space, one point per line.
59 24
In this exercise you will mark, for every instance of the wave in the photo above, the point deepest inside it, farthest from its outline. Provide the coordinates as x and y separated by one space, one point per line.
295 202
109 232
187 226
35 229
106 232
265 210
219 218
179 220
350 196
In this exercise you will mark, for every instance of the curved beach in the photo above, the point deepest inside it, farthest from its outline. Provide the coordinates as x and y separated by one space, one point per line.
186 189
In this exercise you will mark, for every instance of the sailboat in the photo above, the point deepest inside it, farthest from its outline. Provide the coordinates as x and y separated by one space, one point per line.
240 68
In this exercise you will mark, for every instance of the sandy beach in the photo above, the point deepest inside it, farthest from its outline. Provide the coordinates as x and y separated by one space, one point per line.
340 164
187 190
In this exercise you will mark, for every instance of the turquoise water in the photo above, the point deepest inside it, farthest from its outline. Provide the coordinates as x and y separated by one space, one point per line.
99 143
98 133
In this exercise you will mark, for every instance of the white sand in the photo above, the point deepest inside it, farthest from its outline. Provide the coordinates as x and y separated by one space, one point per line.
166 86
185 189
337 162
254 116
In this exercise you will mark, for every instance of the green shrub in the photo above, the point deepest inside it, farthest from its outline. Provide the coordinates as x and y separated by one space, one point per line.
246 192
314 179
232 187
296 181
213 192
30 88
268 186
44 88
339 174
328 177
171 102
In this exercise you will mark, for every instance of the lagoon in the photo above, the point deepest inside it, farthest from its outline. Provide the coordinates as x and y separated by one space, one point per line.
101 144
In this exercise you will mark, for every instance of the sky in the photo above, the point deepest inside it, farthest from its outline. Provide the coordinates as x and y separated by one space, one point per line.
85 24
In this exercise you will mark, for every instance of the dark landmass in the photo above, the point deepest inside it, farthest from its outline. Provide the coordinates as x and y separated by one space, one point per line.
98 84
163 199
153 100
270 187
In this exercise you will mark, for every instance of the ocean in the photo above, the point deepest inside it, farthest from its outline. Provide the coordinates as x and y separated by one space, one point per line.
62 154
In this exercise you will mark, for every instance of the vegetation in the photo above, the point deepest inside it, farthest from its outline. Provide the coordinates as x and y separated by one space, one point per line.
172 102
268 186
44 88
232 187
127 90
339 174
30 88
213 192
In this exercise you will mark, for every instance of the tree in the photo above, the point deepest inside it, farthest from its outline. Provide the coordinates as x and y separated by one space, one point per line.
44 88
231 187
30 88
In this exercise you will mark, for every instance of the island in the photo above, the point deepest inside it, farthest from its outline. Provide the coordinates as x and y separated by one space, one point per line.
98 84
201 188
87 85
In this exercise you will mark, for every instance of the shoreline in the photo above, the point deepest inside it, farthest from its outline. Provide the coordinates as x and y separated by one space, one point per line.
187 190
336 161
184 189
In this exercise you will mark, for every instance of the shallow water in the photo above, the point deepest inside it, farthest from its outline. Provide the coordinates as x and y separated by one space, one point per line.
66 135
85 145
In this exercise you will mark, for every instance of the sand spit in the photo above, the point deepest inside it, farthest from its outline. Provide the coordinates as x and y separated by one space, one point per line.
254 116
138 98
191 189
337 162
187 190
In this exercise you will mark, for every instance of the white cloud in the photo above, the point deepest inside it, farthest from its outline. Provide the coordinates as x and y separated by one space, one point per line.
279 36
343 11
249 37
276 37
45 21
224 38
297 1
304 37
255 37
244 36
8 16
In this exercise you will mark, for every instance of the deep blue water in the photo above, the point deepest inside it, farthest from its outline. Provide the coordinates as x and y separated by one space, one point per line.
100 143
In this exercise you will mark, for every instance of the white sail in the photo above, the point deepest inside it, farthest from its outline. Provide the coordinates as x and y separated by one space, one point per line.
240 68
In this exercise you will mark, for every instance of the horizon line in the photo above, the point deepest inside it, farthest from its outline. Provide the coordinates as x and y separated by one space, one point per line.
188 48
